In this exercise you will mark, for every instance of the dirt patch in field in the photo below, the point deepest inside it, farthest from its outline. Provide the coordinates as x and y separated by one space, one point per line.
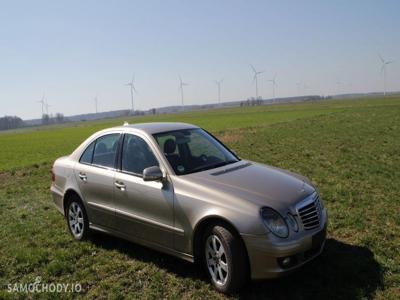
13 177
2 178
5 181
230 138
235 136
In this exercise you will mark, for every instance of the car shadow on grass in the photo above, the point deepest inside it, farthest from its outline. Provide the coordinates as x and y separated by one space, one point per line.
342 271
167 262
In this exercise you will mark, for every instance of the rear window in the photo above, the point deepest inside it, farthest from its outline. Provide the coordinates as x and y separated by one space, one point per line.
87 156
105 150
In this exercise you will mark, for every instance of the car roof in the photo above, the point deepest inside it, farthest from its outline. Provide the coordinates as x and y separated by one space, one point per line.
158 127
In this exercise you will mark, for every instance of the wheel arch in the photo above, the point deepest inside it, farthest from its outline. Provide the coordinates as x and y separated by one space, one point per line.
200 228
70 193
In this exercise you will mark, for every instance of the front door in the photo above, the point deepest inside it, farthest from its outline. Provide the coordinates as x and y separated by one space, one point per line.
143 209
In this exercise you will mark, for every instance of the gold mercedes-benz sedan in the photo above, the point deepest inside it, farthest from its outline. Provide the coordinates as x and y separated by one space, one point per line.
176 188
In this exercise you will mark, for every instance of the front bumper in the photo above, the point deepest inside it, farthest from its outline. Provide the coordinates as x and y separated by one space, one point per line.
266 256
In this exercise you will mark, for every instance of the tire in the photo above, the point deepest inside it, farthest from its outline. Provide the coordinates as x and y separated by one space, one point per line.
227 267
77 220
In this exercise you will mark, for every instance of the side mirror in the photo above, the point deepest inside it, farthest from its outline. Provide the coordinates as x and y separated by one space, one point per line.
152 174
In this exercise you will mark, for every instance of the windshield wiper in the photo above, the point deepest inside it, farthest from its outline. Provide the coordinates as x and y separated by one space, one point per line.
212 166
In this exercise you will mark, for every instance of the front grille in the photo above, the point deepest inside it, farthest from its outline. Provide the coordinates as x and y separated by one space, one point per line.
310 212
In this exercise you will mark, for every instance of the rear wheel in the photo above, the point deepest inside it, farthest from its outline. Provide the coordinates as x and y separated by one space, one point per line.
224 259
77 220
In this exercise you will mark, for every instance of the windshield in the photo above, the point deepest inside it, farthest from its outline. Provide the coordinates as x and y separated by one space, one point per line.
193 150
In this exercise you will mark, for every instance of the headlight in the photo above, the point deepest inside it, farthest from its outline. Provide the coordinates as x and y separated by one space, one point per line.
292 222
321 204
274 222
317 197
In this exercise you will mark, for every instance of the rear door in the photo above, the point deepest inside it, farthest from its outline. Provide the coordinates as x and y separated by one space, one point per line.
95 173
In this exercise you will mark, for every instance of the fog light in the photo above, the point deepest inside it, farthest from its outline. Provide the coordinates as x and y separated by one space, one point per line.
286 261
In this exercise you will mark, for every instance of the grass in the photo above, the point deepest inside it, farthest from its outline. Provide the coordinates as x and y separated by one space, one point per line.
350 149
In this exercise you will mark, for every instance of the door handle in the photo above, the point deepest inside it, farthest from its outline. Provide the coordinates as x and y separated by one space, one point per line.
120 185
83 177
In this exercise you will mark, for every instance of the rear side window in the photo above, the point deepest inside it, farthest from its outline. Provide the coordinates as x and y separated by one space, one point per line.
87 156
105 150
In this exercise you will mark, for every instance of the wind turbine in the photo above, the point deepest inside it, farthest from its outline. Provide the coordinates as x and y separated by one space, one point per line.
339 85
181 85
47 105
298 84
256 73
383 70
273 80
306 88
218 83
302 87
96 103
43 102
131 84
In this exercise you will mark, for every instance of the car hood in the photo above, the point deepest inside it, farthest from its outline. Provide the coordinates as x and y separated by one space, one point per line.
261 184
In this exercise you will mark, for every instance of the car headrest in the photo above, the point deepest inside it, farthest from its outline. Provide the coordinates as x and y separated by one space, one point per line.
101 148
115 146
133 146
169 146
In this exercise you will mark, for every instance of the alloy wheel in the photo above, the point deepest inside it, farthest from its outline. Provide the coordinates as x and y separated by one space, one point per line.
217 262
75 220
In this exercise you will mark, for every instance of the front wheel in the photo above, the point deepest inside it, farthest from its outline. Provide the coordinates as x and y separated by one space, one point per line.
77 219
225 259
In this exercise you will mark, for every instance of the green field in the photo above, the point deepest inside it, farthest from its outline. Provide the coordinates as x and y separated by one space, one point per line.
350 149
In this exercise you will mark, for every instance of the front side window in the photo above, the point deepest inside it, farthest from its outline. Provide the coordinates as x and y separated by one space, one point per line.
105 150
193 150
136 155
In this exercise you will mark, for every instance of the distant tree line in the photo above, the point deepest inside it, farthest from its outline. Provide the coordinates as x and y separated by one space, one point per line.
11 122
252 102
151 111
48 119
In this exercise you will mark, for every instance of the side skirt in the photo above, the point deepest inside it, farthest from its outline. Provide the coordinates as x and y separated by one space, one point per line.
142 242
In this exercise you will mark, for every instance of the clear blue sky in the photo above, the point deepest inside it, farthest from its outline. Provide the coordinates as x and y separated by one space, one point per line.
75 50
